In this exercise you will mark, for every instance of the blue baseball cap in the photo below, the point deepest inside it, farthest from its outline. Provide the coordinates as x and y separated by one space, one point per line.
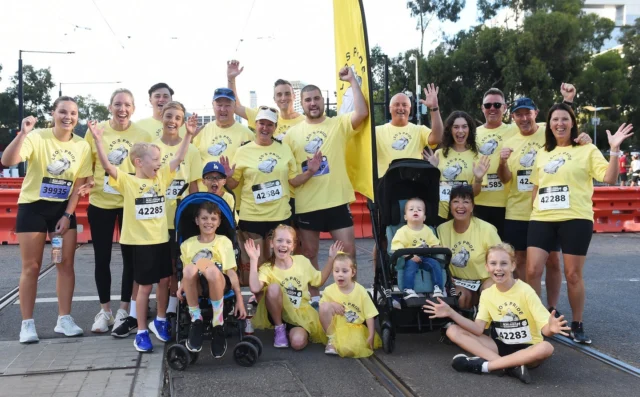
224 93
523 103
213 166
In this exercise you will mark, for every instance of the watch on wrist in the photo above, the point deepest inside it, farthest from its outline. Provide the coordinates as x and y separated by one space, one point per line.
570 103
434 109
67 215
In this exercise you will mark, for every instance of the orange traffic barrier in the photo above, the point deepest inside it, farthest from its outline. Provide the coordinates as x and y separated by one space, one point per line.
616 209
11 183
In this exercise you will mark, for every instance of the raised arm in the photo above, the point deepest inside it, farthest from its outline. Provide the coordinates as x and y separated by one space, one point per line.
229 170
253 251
233 71
192 125
479 171
615 140
328 267
361 110
96 132
431 102
11 155
504 173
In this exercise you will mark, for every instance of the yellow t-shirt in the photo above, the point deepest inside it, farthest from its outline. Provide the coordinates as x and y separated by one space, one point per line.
190 170
295 281
144 216
518 314
154 127
283 124
494 192
219 251
406 237
455 169
469 248
564 177
118 146
394 143
358 306
53 166
264 173
214 141
330 186
520 162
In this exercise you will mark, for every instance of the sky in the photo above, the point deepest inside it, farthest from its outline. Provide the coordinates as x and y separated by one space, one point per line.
187 43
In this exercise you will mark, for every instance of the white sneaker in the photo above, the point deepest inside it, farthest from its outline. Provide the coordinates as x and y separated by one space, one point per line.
28 332
103 321
437 292
67 326
120 316
409 293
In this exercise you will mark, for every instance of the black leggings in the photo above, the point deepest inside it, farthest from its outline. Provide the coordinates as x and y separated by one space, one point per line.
102 222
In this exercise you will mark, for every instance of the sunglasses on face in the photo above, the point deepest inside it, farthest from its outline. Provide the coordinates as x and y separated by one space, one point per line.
268 108
212 178
223 91
496 105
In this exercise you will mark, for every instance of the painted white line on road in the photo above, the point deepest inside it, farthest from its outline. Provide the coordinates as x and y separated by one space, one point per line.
96 298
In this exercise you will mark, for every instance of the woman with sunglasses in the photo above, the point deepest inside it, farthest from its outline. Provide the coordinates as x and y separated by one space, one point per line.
458 160
264 169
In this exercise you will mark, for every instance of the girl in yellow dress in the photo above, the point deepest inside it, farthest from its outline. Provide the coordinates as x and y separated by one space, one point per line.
344 308
281 287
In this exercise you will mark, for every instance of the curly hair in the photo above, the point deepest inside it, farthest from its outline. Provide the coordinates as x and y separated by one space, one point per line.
447 139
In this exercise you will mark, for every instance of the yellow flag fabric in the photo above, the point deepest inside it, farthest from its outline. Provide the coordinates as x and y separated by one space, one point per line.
352 51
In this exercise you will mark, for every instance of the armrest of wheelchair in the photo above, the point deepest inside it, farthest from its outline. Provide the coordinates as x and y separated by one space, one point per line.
179 268
433 252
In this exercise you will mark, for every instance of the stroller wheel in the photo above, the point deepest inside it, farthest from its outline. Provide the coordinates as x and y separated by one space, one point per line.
388 341
245 354
178 357
255 341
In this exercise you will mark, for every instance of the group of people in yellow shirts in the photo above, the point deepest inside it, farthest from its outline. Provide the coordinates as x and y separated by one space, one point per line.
526 183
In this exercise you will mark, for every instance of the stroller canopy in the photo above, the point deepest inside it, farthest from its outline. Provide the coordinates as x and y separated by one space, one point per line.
186 213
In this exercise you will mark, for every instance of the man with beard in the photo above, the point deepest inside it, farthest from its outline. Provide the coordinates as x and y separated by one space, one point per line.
400 139
322 203
159 95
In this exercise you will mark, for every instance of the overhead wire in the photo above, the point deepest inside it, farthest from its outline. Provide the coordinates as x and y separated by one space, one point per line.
245 26
108 25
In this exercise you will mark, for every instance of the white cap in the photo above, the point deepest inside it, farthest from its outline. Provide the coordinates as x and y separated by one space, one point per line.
267 113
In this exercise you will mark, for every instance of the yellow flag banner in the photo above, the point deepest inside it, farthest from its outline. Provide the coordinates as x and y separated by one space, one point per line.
352 50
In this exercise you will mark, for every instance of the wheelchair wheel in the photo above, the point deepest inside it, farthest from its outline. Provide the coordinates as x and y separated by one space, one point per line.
193 357
255 341
388 341
245 354
178 357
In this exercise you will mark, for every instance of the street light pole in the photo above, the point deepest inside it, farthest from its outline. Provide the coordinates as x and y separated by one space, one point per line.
89 82
415 59
595 121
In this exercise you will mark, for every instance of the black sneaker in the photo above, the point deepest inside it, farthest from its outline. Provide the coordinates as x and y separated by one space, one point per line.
124 330
520 372
463 363
577 332
218 342
194 342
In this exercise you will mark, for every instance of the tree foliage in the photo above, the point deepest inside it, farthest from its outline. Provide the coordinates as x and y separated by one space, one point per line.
37 85
425 10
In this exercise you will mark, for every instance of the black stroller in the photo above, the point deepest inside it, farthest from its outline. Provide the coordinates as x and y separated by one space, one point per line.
247 351
405 179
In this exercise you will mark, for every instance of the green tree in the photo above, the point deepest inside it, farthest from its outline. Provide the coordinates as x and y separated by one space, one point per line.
37 84
426 10
89 109
630 41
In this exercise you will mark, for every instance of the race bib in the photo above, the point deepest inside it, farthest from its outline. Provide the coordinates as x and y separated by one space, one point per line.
266 192
174 189
55 188
513 332
471 285
523 181
553 198
108 189
295 296
323 170
494 185
445 189
149 207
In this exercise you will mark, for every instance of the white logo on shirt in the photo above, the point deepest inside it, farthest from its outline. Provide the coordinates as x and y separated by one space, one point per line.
510 316
351 316
59 166
313 145
528 159
553 165
450 173
489 147
267 165
117 156
461 258
202 254
150 193
400 144
217 149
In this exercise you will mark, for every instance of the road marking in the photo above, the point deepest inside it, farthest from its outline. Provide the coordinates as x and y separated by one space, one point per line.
96 298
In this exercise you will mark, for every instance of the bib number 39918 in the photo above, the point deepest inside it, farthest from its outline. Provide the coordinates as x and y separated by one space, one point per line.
149 207
513 332
553 198
266 192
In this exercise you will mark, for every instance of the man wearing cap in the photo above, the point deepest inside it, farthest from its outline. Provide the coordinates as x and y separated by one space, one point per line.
265 168
159 95
322 203
283 96
517 156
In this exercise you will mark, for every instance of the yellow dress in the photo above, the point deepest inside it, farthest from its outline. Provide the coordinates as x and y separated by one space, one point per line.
296 309
348 333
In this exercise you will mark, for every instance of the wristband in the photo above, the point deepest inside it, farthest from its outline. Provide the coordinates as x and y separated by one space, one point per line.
434 109
615 153
567 103
67 215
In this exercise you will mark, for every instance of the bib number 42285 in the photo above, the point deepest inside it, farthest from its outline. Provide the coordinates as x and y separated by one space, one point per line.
149 207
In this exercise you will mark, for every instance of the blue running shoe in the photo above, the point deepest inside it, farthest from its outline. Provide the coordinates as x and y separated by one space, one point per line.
143 342
161 329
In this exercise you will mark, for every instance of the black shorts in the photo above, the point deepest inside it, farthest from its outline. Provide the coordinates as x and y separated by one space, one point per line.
292 204
263 228
326 220
493 215
505 350
574 236
635 176
150 263
516 233
173 245
41 216
623 176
